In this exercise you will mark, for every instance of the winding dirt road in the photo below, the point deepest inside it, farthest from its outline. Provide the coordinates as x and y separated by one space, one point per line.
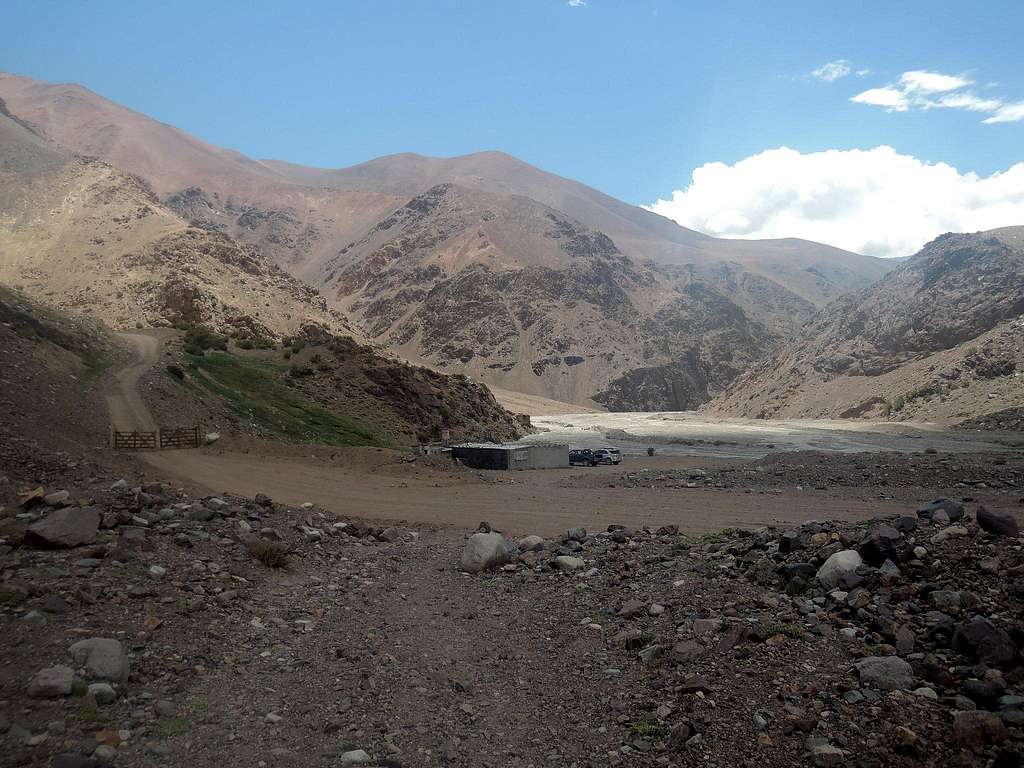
128 411
524 502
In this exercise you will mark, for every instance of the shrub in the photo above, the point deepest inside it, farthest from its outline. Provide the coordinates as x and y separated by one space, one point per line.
176 372
273 554
298 371
139 325
650 450
245 344
199 338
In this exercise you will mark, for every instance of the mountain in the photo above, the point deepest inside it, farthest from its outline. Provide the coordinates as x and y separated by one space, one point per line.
481 263
85 236
516 293
941 337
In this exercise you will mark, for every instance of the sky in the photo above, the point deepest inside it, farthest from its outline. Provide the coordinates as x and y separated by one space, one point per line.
873 126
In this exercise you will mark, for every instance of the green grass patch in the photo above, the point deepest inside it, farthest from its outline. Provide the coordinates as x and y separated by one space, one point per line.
648 727
792 631
256 390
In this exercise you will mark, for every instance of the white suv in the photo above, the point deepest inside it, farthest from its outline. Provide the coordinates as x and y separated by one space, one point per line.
608 456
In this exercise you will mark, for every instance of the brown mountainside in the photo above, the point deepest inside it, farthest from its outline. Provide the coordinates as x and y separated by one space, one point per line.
941 337
693 310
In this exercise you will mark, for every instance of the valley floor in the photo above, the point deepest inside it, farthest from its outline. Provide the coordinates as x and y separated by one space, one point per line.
664 642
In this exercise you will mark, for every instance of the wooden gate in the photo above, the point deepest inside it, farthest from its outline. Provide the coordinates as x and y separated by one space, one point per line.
134 441
184 437
161 439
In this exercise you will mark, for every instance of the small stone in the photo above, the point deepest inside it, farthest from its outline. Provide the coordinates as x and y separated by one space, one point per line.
105 753
656 609
840 570
57 499
886 673
103 659
567 563
103 693
531 544
355 756
52 682
157 572
484 551
273 718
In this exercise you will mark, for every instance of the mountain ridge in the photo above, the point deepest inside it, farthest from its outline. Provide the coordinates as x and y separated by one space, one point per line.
315 223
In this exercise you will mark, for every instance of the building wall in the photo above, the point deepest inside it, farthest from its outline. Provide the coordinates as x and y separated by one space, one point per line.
513 456
541 457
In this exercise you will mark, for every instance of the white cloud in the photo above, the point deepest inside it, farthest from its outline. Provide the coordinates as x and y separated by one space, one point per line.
892 99
931 82
832 70
922 90
873 201
576 3
967 100
1007 113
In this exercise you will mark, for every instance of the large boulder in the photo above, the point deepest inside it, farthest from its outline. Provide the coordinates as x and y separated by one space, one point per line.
484 551
979 638
102 657
886 673
840 570
68 527
997 523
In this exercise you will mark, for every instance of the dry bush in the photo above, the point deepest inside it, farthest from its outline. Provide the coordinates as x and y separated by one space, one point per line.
273 554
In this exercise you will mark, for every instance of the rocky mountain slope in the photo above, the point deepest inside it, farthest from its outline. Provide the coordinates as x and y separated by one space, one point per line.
519 295
942 337
88 237
707 309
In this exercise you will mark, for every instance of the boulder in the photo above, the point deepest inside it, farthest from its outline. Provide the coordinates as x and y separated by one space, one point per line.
980 639
103 659
977 729
789 541
484 551
886 673
57 499
52 683
840 570
954 509
531 543
881 544
67 527
567 563
997 523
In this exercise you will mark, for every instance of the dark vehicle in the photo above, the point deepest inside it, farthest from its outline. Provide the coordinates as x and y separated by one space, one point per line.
608 456
584 457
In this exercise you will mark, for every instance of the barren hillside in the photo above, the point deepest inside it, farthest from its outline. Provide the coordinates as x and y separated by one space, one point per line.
85 236
942 337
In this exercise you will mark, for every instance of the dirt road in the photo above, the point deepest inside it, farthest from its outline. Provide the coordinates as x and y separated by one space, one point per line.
128 411
522 502
526 502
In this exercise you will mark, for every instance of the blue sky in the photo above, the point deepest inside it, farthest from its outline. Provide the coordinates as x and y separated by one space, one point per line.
629 96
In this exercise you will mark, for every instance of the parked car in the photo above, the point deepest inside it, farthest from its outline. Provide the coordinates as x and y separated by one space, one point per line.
583 456
608 456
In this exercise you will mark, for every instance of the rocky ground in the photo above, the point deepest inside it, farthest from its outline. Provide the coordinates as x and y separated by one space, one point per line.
146 626
999 474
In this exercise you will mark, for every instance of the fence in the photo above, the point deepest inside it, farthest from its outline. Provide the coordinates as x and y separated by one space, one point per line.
157 440
185 437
